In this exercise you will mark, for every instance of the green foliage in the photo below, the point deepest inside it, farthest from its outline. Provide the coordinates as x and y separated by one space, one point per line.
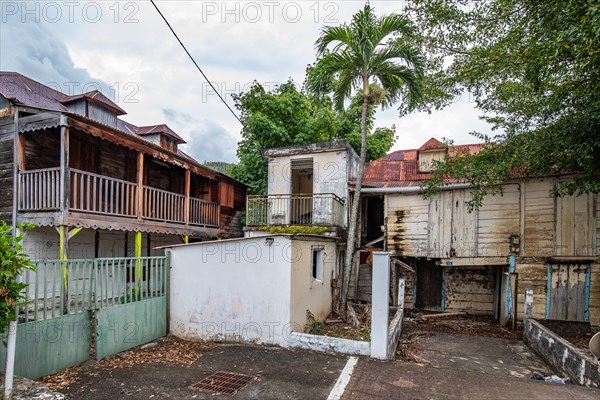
312 325
294 230
287 116
533 69
13 261
220 166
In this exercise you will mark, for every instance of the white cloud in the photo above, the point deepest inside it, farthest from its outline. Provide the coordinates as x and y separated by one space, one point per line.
132 53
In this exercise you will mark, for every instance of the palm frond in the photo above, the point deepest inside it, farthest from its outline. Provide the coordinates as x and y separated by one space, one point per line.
332 34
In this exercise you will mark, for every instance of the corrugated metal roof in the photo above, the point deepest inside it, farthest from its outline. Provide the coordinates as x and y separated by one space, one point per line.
98 97
25 91
400 168
162 128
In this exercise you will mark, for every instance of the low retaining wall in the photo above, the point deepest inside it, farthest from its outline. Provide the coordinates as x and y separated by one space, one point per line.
561 354
328 344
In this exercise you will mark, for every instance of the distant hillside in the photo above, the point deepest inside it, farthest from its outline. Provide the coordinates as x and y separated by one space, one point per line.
220 166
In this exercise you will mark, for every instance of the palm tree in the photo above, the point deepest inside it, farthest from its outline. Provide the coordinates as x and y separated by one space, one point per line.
371 55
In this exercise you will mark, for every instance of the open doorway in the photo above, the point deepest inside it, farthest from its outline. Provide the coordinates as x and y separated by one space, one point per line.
373 220
302 190
430 280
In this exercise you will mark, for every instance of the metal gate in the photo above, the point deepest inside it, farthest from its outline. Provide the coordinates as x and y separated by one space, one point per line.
131 299
126 298
568 291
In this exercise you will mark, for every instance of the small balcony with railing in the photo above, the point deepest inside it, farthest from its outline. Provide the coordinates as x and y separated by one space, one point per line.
315 209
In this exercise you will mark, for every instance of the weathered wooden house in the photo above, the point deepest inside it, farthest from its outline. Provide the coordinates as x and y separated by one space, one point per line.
97 186
482 261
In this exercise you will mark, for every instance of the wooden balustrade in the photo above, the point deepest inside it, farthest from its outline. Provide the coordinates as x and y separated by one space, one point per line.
102 195
39 190
204 212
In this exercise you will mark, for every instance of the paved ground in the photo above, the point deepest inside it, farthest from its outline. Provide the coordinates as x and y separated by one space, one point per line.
280 374
461 367
509 358
401 380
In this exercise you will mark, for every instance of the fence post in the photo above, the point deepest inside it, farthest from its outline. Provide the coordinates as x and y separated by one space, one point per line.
380 304
528 309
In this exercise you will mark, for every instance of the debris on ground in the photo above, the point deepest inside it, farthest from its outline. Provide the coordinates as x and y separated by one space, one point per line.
582 342
61 380
358 329
476 325
418 323
550 378
167 350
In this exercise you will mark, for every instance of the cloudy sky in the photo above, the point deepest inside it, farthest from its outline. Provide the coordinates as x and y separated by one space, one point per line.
125 49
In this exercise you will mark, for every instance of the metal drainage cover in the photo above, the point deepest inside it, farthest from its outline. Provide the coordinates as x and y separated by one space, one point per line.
227 383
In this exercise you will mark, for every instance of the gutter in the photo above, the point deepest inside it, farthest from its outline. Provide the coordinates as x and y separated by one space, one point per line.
412 189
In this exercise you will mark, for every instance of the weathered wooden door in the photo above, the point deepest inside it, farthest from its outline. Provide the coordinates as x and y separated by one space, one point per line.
568 291
430 281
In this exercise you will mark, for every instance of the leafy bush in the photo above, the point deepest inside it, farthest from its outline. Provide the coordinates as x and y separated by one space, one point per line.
13 261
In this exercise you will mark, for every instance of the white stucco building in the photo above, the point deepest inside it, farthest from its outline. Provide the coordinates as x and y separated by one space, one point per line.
255 289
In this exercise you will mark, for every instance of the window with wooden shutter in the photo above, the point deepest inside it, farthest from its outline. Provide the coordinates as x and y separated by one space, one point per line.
226 194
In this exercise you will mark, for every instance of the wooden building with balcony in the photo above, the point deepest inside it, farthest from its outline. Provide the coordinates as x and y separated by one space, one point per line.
97 186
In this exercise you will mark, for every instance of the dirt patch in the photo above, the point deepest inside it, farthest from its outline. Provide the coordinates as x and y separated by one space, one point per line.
582 342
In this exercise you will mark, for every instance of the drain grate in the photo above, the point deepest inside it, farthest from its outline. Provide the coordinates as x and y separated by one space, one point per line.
227 383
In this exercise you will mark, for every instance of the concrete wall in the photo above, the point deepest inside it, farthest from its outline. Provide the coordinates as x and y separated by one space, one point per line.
306 292
560 354
231 290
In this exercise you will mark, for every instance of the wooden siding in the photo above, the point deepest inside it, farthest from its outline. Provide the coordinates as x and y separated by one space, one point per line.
407 225
574 226
498 219
42 149
538 219
6 168
470 289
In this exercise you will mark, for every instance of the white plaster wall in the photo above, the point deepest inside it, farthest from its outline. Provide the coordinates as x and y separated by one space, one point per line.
330 173
308 293
232 290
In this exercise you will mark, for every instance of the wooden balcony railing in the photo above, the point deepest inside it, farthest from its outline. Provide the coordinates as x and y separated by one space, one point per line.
324 209
39 190
162 205
204 213
100 194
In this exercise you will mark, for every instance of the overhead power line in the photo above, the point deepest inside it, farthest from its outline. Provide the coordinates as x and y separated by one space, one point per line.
194 61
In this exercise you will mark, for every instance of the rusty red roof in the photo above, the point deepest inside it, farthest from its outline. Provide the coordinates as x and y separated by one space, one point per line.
400 168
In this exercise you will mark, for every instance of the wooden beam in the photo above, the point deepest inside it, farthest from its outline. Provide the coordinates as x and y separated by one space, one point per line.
64 168
138 254
186 206
21 152
372 242
140 184
403 265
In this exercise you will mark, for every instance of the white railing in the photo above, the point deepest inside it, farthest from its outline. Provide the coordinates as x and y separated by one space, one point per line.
161 205
102 195
204 213
39 189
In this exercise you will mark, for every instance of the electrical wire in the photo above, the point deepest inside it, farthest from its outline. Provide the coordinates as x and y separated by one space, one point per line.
194 61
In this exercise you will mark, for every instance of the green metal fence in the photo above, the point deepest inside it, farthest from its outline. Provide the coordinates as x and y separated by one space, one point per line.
126 296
